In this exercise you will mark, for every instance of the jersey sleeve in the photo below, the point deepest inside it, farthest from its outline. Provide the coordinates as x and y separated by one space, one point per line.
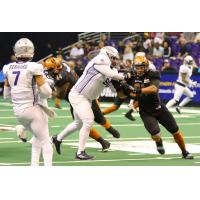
5 67
37 69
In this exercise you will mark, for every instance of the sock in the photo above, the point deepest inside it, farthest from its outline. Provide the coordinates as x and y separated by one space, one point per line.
107 124
47 152
94 134
110 109
185 101
180 141
83 135
156 137
170 103
130 111
57 102
35 152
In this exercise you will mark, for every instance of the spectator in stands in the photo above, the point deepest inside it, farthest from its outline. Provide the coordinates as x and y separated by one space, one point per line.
197 38
167 50
147 43
189 36
77 51
159 37
158 50
167 67
128 52
183 48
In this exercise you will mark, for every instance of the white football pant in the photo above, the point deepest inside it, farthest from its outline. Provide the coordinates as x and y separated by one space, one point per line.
36 120
179 91
83 118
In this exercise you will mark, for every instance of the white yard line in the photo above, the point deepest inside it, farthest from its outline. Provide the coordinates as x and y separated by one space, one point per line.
96 161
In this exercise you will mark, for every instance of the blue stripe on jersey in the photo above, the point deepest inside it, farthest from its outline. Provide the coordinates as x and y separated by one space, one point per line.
91 72
33 89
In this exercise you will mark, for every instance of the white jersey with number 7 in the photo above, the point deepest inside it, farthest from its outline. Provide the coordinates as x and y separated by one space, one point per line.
22 82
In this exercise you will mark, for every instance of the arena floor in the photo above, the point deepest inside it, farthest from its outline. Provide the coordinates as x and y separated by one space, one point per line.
134 148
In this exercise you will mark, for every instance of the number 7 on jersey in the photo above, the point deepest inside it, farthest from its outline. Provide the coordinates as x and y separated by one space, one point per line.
17 73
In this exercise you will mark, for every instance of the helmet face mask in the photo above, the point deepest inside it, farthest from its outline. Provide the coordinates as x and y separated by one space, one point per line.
24 49
141 65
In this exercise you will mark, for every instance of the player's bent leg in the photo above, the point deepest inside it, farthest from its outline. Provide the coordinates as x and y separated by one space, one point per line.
115 133
21 133
96 136
171 103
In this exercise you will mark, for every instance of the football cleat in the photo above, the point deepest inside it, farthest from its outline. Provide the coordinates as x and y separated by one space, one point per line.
21 133
129 116
178 110
56 143
105 145
113 132
160 147
187 155
83 156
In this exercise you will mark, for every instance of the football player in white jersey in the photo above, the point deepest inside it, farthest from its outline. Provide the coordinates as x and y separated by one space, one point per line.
96 76
182 84
26 86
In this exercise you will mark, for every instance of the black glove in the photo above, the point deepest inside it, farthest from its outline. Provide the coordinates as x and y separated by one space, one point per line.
128 88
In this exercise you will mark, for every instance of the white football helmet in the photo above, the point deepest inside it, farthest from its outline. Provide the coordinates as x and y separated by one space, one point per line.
110 51
24 48
138 54
188 60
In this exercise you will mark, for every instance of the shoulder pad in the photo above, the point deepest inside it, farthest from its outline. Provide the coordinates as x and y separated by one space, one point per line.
101 60
36 69
153 74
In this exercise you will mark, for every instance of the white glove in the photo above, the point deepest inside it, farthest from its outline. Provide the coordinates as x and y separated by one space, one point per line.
193 83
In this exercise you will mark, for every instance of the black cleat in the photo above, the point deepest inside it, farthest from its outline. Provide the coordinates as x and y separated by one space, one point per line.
83 156
187 155
105 145
160 147
113 132
56 143
23 139
129 116
178 110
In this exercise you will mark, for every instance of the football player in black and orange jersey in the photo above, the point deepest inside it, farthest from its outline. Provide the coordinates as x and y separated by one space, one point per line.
143 87
64 80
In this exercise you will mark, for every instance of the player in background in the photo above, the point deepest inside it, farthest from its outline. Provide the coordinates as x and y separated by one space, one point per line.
96 76
26 86
144 88
183 83
64 79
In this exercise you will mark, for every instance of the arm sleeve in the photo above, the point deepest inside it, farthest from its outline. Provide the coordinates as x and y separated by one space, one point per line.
6 92
45 91
108 72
